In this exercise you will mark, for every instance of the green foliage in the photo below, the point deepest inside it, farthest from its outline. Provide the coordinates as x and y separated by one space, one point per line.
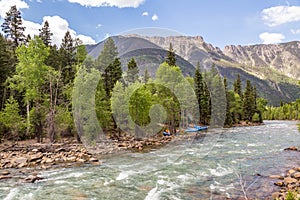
83 103
10 117
107 55
290 196
256 117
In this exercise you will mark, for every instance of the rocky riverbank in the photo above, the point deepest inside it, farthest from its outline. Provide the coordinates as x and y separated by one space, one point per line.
28 157
289 184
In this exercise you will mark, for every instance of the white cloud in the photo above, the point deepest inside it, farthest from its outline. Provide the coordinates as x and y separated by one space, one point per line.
86 39
154 17
5 5
31 28
109 3
295 31
107 35
99 26
58 26
278 15
145 14
271 38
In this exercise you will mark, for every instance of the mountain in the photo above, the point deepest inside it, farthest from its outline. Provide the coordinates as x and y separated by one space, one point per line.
147 54
282 58
273 69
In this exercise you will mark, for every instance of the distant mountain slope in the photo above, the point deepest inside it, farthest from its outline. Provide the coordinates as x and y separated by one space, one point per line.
283 58
147 54
276 84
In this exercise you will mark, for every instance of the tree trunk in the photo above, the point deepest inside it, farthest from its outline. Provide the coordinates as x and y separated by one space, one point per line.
28 118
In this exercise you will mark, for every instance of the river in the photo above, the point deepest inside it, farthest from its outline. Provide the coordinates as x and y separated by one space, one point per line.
226 163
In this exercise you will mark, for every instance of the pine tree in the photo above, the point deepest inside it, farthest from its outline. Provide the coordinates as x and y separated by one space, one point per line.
67 57
171 57
107 56
146 76
228 118
133 71
111 75
12 27
248 102
199 90
6 68
45 34
237 86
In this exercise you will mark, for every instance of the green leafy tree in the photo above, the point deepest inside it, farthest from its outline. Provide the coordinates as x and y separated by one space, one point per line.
30 79
12 27
111 75
11 118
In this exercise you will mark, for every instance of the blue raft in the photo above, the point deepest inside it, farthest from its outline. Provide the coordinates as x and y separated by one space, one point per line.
196 128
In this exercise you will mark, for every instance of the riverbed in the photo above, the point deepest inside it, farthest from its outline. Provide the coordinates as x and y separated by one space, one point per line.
230 163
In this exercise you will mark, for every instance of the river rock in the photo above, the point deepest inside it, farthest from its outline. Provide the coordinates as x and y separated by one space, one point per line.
20 160
290 180
276 195
276 177
32 178
35 157
5 173
296 175
5 177
279 183
292 148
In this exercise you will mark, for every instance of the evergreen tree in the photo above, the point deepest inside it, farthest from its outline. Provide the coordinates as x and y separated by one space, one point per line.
12 27
248 102
6 68
111 75
228 118
133 71
107 56
67 56
45 34
171 57
146 76
199 91
237 86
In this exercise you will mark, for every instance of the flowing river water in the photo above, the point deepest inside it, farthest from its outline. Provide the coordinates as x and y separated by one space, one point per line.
226 163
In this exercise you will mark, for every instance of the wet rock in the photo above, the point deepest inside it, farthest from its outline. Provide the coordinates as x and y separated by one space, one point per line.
93 160
292 148
5 177
32 178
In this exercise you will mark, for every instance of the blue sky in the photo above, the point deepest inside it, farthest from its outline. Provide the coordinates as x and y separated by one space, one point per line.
220 22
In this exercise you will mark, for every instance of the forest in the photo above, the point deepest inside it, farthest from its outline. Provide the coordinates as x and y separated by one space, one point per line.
45 88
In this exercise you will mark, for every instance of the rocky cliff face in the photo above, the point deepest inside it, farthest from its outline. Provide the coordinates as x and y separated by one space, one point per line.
283 58
191 48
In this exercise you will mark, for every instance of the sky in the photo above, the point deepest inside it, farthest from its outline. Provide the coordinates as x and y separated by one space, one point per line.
219 22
